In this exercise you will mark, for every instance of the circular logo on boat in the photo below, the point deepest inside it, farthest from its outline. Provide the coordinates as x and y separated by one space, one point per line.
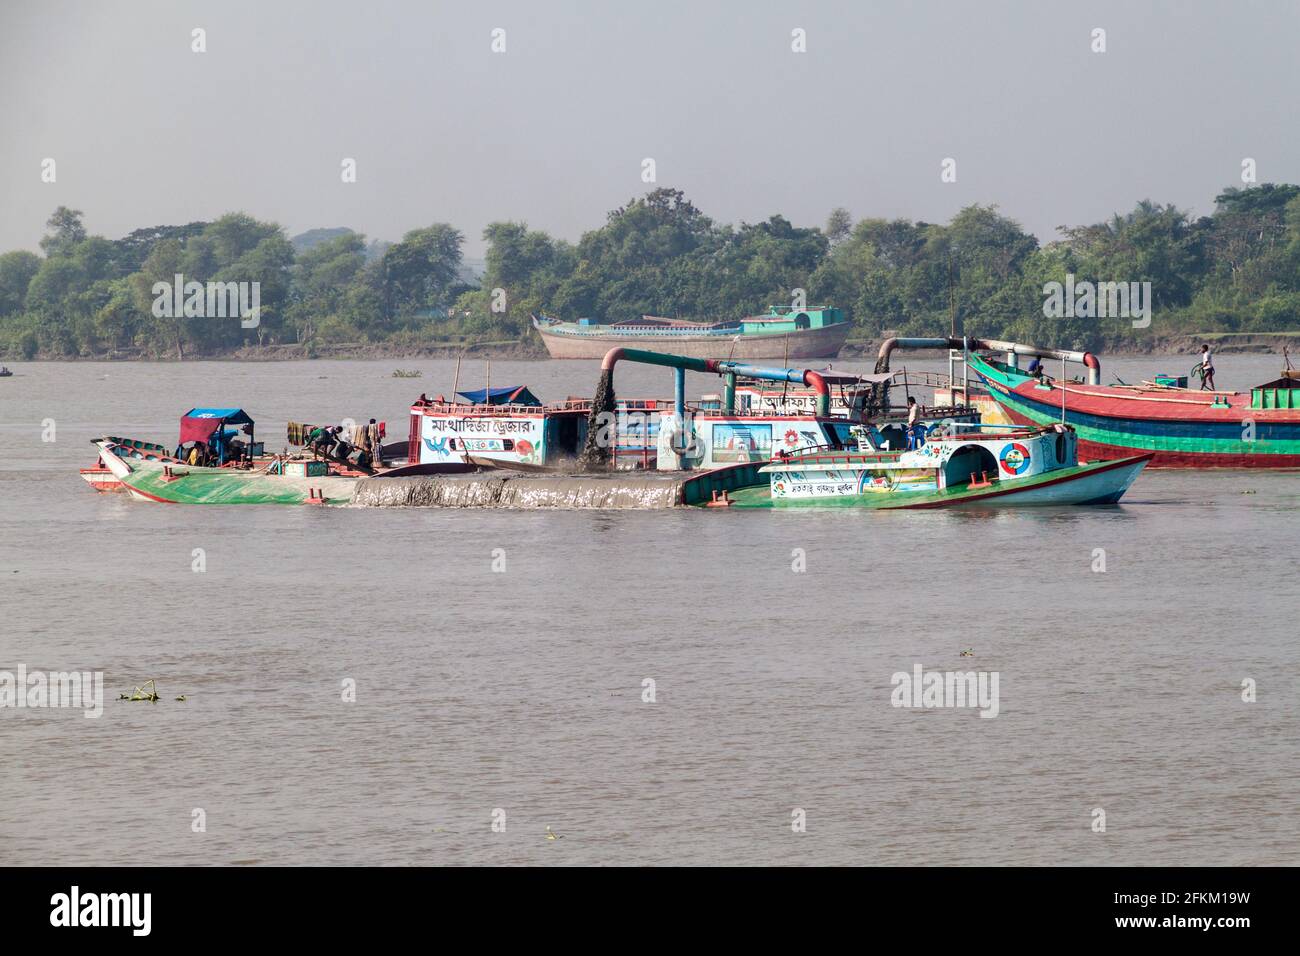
1015 458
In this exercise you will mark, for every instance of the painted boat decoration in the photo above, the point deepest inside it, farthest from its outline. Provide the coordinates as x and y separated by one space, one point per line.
509 427
818 332
1178 427
1006 467
552 436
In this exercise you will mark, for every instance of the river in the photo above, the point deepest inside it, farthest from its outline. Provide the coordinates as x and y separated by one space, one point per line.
500 659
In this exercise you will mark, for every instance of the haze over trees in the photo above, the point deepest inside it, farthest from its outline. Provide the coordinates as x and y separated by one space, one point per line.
1236 270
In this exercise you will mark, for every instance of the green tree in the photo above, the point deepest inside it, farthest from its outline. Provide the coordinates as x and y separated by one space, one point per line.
65 229
16 272
839 225
420 270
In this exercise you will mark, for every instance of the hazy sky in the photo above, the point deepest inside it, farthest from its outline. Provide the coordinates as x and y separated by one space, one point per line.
554 130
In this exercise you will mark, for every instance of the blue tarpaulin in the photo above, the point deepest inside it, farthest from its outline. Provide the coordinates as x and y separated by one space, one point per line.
509 395
232 416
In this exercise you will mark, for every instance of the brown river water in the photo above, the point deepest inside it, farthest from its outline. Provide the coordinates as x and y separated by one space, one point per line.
516 694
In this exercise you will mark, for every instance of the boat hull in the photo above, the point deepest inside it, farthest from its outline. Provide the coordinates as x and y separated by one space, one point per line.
1096 483
824 342
191 485
1177 433
101 479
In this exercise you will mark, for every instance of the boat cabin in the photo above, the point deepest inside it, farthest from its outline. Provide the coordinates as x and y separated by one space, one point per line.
972 456
512 427
210 430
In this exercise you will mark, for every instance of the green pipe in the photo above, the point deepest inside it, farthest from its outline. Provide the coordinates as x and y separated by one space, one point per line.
613 356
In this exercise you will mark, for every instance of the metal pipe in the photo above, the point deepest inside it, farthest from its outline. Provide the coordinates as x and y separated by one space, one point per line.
679 394
1012 349
729 394
798 376
1087 359
815 380
965 372
616 355
732 369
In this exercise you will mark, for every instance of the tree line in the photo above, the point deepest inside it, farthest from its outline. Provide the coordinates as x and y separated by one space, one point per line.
1235 270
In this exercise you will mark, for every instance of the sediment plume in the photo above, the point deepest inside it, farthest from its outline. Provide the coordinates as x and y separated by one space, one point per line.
601 426
519 491
878 398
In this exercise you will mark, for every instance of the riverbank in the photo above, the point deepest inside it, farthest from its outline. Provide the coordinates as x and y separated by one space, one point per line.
1262 343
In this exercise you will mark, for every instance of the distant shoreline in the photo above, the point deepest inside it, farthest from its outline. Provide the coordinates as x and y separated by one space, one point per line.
1261 343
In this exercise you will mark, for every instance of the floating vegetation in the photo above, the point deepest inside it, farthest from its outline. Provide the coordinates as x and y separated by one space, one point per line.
141 693
407 373
147 691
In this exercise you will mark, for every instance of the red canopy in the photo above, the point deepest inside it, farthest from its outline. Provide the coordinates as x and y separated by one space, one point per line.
198 429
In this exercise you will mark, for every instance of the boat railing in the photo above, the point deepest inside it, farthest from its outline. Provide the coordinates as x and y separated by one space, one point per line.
897 412
472 408
568 405
829 454
976 430
925 378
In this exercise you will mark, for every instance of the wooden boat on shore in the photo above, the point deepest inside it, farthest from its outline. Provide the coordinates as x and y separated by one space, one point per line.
964 466
791 334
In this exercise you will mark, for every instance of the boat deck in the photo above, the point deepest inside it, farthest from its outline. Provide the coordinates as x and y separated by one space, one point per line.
1036 489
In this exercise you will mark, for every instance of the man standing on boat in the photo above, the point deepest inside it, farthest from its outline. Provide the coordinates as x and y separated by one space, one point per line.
1207 368
374 443
913 424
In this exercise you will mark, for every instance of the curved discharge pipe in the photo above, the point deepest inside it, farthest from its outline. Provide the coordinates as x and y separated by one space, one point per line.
717 367
1087 359
595 454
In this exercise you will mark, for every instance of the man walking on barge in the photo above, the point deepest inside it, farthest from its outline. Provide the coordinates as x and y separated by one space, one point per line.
1207 368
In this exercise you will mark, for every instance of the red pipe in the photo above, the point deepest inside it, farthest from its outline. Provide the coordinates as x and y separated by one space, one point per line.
818 383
